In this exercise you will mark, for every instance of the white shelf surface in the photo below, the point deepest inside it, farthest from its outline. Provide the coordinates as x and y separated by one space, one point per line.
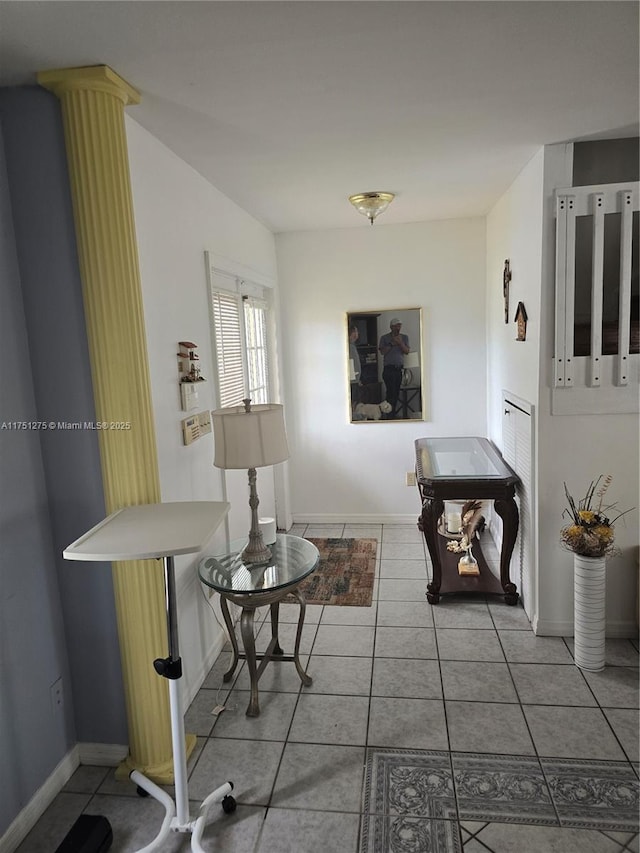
150 531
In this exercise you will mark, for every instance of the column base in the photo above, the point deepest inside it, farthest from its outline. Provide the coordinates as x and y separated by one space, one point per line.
161 774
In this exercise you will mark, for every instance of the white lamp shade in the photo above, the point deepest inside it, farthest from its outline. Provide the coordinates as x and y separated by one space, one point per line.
249 439
411 360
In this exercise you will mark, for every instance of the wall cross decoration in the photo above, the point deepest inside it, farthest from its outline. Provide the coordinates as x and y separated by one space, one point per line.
506 278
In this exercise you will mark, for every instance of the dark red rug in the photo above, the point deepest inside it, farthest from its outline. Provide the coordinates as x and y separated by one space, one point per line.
345 573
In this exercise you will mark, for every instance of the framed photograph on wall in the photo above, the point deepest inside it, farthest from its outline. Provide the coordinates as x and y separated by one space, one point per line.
384 365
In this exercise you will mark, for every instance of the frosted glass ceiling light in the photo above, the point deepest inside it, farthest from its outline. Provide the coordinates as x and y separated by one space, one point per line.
371 204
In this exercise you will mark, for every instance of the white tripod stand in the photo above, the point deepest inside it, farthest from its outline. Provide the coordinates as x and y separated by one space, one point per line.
162 531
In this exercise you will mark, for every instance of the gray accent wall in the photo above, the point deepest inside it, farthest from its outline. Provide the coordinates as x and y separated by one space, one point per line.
57 618
606 161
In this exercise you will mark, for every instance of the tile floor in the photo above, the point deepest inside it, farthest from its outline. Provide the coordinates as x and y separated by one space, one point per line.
426 730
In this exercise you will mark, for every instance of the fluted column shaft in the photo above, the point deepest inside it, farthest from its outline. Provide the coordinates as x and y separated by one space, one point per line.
93 101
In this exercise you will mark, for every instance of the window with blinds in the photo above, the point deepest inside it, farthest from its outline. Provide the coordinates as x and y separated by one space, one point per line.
255 321
228 338
240 335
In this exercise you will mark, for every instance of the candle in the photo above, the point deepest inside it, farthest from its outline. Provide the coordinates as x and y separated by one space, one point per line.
454 520
268 529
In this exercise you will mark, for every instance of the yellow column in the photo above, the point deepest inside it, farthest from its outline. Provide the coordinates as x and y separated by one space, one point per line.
93 101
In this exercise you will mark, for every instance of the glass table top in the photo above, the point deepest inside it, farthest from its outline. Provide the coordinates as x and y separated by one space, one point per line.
464 458
292 559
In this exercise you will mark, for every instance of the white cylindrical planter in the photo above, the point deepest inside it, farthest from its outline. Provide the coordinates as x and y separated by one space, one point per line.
589 611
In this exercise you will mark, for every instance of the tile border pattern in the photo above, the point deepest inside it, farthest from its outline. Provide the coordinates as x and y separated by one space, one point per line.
414 799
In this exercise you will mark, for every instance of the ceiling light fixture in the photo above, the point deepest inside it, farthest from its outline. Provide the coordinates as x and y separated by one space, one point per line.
371 204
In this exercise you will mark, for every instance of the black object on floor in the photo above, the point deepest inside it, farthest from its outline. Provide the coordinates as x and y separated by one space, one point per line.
89 834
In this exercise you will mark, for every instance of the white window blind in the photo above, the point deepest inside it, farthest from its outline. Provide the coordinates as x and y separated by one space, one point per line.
228 336
240 321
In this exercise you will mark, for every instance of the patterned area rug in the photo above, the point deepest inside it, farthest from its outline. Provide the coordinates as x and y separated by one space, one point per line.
414 799
345 575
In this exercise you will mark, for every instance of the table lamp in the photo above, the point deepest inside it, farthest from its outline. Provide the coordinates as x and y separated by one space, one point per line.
411 361
250 438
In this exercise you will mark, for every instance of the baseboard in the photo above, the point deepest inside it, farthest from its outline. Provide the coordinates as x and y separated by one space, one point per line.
618 630
341 518
622 629
40 802
102 754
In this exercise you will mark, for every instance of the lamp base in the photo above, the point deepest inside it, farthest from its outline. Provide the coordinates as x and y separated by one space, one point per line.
256 551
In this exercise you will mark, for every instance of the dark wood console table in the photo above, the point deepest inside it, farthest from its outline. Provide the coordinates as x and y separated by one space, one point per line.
465 469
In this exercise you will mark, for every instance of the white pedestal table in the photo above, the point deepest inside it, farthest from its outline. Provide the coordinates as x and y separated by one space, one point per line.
153 532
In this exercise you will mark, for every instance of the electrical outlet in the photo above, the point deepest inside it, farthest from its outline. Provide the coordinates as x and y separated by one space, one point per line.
411 478
57 696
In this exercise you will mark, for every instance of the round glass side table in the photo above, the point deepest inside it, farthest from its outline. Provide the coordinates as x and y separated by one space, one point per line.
252 585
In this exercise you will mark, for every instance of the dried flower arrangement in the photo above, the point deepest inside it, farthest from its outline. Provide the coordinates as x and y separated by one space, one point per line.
591 532
472 523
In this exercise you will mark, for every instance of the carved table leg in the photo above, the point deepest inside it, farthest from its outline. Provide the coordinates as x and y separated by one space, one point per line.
246 625
275 612
232 638
508 512
431 511
304 678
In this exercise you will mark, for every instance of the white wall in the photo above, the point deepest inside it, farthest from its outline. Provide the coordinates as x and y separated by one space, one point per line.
514 231
575 449
356 472
178 215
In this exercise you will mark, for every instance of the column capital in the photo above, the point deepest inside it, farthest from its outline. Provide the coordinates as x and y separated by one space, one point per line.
92 78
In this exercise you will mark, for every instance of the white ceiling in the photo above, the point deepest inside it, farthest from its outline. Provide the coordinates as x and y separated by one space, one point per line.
290 107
